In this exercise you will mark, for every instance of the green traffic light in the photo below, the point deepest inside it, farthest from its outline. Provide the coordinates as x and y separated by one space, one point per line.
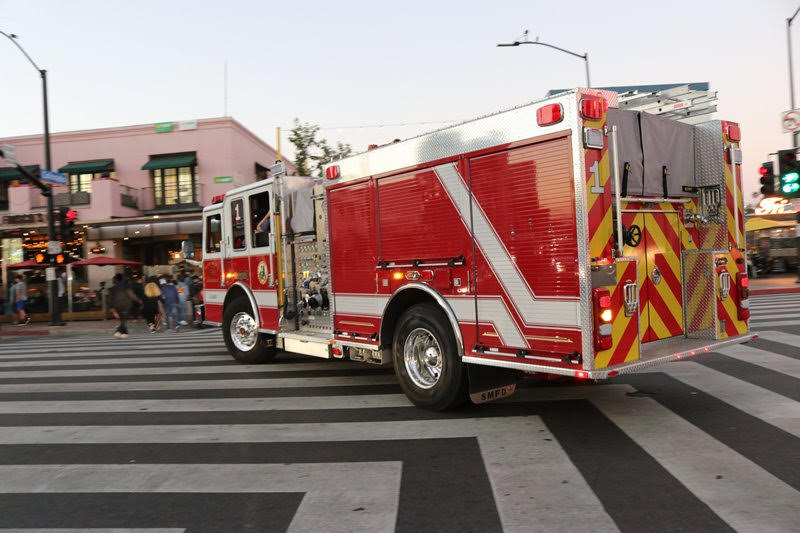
791 177
791 187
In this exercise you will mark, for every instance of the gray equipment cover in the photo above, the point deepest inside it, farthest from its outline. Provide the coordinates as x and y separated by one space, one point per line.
629 149
669 143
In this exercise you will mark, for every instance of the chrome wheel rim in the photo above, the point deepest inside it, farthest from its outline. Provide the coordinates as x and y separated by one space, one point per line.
244 333
423 358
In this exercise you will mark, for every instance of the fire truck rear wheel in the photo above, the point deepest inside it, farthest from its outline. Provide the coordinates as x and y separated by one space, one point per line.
426 359
242 338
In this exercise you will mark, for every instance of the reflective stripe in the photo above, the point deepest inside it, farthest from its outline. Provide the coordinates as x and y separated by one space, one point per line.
490 310
534 311
266 298
362 304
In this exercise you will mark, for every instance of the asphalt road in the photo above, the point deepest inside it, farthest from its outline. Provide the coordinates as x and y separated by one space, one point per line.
166 433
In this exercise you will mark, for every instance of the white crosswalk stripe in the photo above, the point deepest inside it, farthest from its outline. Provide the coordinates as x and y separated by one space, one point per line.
553 457
774 310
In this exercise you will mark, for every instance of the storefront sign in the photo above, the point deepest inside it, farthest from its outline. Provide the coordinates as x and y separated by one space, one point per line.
29 218
184 125
774 206
223 179
164 127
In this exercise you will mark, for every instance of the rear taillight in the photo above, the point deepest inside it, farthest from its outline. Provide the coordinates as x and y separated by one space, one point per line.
733 131
593 108
743 285
332 172
603 317
549 114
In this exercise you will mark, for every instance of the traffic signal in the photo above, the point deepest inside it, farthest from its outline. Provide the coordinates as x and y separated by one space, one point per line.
40 258
767 172
66 222
789 174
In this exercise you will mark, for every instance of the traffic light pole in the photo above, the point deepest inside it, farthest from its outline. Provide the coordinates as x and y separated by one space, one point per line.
55 311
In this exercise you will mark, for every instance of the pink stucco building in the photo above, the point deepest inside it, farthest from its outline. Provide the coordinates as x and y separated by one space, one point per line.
138 190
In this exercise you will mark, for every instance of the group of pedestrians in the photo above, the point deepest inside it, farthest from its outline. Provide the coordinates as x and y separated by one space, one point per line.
164 301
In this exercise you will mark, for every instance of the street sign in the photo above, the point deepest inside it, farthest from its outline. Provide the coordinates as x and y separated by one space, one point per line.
9 154
790 120
53 247
53 177
223 179
50 274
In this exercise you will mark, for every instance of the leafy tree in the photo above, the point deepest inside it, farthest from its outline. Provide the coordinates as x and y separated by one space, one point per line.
312 153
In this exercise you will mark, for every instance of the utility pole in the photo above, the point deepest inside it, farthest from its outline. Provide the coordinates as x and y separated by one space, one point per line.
55 312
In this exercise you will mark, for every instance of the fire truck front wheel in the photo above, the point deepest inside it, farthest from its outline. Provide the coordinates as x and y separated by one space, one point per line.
426 359
242 338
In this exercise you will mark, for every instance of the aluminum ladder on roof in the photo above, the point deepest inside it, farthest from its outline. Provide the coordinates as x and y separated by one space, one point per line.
678 103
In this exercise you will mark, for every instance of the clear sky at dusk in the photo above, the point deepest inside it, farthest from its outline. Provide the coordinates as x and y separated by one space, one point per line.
114 63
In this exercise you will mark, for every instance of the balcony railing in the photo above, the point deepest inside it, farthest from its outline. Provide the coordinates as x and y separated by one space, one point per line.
129 197
72 198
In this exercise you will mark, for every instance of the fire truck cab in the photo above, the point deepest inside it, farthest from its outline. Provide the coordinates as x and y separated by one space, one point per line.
568 236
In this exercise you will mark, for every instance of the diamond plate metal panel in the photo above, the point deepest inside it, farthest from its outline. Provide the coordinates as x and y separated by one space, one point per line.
699 295
709 156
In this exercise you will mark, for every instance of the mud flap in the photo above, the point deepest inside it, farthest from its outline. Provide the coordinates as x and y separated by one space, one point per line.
488 383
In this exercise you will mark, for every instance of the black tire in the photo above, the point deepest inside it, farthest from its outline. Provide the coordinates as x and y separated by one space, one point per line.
263 351
450 389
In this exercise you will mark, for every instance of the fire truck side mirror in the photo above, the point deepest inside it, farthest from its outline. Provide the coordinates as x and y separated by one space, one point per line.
187 249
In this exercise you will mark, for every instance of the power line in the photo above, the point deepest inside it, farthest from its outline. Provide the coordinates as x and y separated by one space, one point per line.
393 125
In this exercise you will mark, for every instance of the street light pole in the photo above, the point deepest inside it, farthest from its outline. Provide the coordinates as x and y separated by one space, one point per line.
791 67
55 312
525 40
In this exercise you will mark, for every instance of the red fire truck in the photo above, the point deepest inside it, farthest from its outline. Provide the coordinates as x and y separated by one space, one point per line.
568 236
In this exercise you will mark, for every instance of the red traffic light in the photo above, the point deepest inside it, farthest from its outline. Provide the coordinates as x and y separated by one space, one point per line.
40 258
70 215
59 259
763 171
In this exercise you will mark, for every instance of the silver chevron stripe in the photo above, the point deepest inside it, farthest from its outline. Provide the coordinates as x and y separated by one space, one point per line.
533 311
490 310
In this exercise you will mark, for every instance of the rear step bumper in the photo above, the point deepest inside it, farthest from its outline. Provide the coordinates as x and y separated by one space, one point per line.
652 354
656 353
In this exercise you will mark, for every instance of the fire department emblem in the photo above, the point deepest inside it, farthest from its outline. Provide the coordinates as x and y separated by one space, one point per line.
261 272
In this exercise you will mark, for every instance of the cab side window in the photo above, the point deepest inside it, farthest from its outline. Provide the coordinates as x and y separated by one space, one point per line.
214 233
260 219
237 225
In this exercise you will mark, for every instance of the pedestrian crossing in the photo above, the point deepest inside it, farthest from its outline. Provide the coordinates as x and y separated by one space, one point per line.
166 433
774 311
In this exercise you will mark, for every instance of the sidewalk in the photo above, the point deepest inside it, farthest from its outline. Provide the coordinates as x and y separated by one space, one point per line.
784 283
100 328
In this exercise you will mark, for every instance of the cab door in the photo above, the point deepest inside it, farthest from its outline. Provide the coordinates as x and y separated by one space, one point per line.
263 266
659 273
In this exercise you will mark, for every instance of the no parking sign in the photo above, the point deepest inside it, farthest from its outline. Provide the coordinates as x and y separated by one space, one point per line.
790 120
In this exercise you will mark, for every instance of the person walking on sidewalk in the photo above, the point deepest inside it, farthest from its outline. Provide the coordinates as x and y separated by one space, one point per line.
19 295
171 303
122 299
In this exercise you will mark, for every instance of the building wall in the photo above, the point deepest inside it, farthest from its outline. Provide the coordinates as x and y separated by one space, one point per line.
223 146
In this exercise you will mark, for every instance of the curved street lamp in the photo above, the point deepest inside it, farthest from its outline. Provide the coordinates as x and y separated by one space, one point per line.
55 315
525 40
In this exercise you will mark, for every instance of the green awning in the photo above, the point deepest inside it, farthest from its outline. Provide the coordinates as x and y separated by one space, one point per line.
171 161
88 167
11 173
